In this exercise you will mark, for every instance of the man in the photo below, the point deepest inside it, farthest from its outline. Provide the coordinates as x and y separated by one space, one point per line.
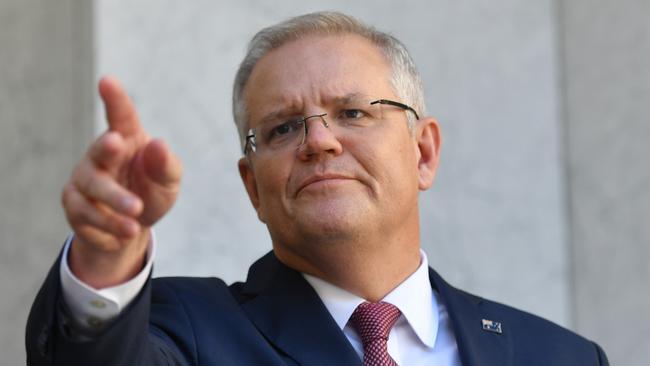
336 149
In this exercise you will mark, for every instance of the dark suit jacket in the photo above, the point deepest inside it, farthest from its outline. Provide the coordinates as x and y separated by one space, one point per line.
275 318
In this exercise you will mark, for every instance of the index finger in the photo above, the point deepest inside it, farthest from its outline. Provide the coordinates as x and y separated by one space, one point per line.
120 111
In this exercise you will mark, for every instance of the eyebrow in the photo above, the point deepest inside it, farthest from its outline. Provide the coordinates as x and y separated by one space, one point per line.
274 115
280 113
347 98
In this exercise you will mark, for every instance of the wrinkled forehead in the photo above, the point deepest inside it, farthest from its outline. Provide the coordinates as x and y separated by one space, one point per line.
316 70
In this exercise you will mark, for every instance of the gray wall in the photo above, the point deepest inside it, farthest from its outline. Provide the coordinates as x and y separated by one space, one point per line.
513 83
607 57
46 120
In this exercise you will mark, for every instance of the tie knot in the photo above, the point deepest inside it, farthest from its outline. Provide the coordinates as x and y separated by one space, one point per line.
373 320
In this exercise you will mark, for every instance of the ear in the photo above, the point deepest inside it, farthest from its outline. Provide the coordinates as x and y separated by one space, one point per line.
248 177
428 144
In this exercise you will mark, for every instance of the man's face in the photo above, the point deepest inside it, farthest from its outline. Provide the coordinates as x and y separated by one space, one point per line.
335 186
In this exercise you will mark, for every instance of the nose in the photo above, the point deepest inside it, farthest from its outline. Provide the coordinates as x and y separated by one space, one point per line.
305 124
319 138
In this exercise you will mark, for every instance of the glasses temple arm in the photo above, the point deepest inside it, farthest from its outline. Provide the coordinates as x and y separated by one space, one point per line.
396 104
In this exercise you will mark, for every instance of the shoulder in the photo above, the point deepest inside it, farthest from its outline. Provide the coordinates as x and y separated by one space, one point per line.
515 334
533 338
529 326
532 333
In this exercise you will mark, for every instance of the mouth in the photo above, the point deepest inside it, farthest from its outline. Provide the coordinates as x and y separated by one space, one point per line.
322 182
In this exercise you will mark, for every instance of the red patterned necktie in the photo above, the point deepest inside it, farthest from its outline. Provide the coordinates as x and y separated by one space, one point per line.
373 321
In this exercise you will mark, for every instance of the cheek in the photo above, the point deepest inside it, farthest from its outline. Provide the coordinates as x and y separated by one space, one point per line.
271 184
400 162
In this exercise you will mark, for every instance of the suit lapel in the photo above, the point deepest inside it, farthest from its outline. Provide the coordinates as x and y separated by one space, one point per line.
291 316
289 313
477 346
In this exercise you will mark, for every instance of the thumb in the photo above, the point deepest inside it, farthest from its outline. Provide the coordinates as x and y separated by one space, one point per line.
160 164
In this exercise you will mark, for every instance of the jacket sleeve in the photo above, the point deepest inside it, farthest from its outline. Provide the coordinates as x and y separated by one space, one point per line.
53 338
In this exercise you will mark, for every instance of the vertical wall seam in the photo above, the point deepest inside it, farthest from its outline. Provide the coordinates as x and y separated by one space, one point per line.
564 132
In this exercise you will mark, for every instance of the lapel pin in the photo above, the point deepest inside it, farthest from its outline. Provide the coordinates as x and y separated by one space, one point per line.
491 326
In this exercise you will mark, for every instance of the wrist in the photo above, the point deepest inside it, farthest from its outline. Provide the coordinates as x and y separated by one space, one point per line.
100 268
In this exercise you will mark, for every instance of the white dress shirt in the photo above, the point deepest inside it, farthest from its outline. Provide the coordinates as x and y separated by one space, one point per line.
91 307
421 336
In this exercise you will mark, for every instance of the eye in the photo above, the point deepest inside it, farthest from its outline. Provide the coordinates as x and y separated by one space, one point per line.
283 130
352 113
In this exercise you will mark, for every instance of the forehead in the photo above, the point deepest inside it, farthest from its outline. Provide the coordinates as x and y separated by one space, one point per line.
314 70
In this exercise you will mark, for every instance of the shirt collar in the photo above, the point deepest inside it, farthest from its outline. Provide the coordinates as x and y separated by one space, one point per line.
414 298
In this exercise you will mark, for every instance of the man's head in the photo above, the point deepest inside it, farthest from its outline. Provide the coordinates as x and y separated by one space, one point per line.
404 76
356 176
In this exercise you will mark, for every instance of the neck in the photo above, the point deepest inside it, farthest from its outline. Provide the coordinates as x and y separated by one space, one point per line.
369 267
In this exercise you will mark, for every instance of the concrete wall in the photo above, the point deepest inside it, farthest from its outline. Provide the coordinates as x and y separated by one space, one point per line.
46 120
534 99
607 57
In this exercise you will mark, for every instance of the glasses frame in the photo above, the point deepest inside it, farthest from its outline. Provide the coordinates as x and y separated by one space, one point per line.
250 146
396 104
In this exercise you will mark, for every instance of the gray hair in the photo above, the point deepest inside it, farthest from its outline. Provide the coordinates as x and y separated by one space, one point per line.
405 78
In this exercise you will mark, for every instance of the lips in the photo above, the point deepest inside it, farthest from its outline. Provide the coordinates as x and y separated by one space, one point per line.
320 178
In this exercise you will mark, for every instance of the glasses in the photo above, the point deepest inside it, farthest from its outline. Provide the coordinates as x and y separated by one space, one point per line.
353 116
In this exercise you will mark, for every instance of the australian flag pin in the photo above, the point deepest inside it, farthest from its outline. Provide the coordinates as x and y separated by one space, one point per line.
491 326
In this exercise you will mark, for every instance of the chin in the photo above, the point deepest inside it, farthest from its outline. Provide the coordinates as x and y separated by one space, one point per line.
334 219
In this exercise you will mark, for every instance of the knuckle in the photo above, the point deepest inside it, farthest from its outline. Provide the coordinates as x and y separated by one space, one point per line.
80 175
77 172
98 148
65 193
70 201
104 219
106 150
91 153
114 225
91 184
90 236
76 212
